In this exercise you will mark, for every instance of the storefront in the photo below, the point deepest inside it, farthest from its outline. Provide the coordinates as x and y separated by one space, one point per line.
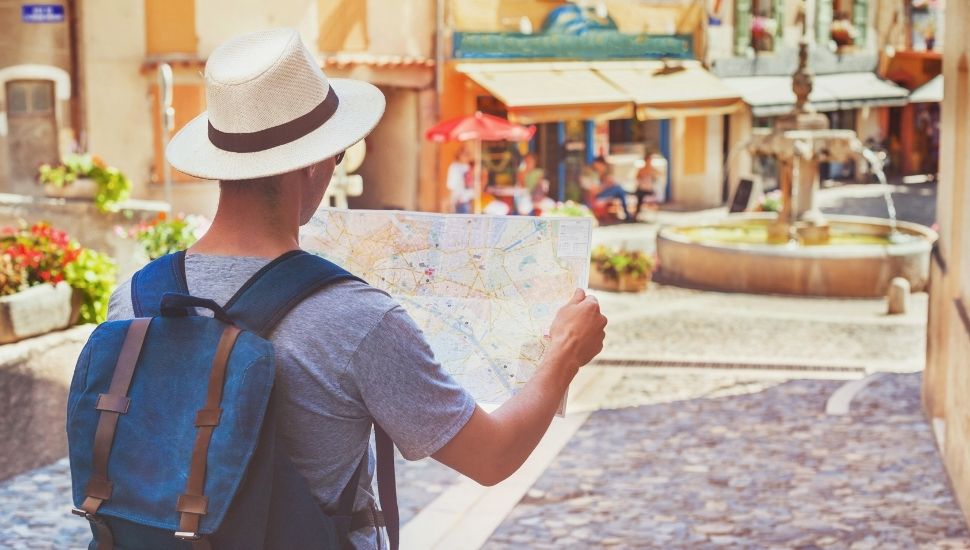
593 85
617 109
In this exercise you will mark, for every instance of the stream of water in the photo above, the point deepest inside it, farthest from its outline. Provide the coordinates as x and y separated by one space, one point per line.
875 164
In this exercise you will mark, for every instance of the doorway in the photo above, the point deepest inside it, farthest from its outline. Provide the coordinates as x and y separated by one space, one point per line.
32 130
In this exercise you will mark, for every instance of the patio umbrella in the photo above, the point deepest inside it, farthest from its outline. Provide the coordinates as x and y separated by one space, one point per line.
477 128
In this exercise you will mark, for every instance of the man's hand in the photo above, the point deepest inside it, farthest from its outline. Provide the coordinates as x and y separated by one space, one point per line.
491 447
578 331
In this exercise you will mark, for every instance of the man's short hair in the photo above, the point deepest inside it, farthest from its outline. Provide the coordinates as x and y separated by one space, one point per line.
268 187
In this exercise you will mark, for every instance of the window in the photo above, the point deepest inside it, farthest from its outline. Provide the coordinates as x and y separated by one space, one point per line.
27 97
758 24
766 24
842 22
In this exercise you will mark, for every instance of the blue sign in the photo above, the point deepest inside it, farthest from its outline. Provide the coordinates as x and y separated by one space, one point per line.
42 13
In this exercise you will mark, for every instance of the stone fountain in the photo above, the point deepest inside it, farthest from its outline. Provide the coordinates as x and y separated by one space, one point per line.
799 250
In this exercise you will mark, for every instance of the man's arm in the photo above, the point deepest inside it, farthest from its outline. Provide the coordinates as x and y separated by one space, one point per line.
491 447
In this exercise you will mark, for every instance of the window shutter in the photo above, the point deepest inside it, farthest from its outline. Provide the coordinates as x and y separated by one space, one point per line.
860 18
823 22
742 26
778 14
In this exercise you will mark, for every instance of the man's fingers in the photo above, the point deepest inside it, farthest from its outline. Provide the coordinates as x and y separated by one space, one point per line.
578 296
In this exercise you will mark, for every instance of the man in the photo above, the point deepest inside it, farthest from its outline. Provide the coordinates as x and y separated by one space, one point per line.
459 183
609 188
348 355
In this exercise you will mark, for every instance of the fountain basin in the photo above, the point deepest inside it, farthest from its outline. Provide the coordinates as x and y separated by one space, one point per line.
860 261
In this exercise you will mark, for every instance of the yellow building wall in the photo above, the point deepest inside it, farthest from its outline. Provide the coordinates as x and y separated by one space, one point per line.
695 145
946 381
119 124
170 27
343 25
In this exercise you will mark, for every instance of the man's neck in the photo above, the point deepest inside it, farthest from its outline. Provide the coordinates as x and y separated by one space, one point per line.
245 225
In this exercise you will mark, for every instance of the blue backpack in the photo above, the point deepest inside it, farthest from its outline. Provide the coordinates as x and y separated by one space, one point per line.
172 423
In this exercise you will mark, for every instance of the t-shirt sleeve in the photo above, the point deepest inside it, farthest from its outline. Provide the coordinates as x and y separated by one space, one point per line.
119 306
406 390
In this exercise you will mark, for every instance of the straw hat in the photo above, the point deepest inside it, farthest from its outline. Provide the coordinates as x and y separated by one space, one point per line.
271 110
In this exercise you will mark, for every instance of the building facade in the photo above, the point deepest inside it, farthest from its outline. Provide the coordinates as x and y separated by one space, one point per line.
946 380
912 58
752 46
612 78
40 115
85 78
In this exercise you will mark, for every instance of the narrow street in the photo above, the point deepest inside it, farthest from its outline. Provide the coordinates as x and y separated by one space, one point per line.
703 423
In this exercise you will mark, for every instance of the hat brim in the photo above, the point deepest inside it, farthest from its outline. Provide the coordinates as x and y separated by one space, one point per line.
361 107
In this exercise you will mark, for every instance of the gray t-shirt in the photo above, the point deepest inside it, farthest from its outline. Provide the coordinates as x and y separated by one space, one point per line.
347 355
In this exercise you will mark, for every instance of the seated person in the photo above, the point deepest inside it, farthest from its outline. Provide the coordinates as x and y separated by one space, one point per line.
610 189
645 184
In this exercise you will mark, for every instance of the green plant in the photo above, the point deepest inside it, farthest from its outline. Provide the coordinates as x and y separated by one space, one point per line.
570 209
613 263
113 186
165 234
771 202
48 255
93 274
13 277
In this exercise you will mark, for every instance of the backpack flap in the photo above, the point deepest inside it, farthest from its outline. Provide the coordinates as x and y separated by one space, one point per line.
152 450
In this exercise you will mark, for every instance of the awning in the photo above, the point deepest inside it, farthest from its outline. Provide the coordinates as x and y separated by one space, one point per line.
663 92
931 92
550 92
773 96
855 90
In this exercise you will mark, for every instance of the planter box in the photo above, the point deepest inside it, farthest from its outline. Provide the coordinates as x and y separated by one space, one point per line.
37 310
625 283
82 188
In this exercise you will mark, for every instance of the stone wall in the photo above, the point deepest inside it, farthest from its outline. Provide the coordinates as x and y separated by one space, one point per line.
85 223
946 381
35 376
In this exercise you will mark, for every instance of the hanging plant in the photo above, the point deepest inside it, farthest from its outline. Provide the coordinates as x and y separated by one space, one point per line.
113 187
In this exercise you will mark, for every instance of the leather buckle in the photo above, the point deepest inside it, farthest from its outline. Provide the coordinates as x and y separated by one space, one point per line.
187 535
93 518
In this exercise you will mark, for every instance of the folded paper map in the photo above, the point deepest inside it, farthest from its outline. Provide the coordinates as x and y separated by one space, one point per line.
484 289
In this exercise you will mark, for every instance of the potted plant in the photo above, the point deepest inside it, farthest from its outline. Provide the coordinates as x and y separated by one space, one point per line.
569 209
48 282
769 202
166 234
843 32
86 176
620 270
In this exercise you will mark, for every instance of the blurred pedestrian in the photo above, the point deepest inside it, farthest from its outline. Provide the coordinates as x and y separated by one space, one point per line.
459 182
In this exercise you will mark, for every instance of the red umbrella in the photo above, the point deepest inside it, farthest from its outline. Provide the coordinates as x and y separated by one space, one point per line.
479 127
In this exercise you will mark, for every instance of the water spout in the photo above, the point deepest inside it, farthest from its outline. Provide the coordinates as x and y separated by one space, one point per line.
875 164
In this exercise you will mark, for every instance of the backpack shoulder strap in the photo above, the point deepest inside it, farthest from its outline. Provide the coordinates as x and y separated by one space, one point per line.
263 302
159 277
275 289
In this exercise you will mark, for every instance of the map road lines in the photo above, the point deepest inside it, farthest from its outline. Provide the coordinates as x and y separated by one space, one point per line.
484 289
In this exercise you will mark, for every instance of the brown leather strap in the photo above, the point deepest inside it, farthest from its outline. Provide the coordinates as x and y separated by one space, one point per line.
368 517
112 405
193 504
99 488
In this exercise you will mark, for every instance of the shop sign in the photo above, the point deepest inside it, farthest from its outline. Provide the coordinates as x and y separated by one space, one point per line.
605 44
42 13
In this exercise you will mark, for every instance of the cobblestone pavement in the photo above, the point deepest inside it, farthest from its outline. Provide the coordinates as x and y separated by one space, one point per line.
681 324
757 470
35 507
